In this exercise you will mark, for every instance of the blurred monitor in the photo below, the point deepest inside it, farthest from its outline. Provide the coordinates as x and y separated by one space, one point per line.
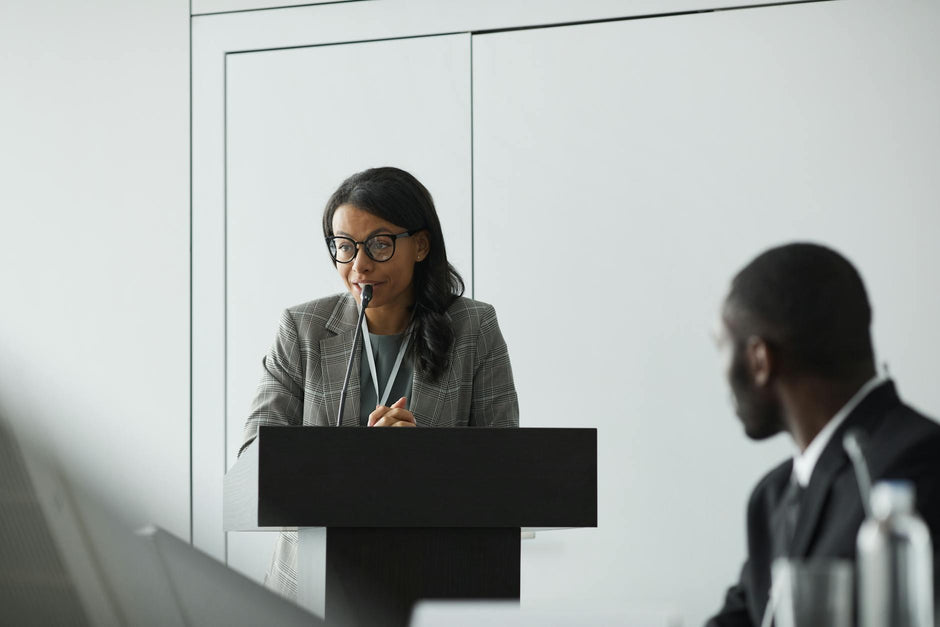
65 561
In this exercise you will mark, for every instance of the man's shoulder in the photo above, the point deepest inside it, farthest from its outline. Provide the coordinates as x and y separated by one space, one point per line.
905 435
906 445
905 418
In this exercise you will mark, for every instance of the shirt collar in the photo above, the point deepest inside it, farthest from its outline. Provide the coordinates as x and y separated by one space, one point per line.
803 464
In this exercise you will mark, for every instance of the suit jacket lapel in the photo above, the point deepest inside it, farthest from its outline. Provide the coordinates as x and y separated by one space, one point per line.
833 460
334 355
827 469
427 399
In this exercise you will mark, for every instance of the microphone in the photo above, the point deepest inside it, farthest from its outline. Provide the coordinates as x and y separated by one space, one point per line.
853 442
365 298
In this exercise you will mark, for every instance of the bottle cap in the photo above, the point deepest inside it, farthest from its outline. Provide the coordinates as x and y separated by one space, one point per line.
892 497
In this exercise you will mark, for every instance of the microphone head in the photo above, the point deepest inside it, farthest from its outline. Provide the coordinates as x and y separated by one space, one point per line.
854 441
366 295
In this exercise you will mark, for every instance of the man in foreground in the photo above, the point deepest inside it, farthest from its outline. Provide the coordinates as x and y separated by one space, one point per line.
796 336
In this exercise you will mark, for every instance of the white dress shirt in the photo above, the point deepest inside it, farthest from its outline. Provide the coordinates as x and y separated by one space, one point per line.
805 462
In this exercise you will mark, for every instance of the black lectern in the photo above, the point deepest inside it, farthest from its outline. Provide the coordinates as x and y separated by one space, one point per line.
390 516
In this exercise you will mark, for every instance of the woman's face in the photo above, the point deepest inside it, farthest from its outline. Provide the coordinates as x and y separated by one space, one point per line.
392 280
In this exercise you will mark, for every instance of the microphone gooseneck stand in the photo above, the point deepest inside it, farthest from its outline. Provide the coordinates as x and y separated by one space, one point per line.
854 444
365 297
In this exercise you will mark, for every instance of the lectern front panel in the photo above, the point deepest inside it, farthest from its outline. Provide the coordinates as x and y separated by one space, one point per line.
441 477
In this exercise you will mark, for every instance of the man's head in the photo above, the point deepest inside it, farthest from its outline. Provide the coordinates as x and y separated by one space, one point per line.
796 311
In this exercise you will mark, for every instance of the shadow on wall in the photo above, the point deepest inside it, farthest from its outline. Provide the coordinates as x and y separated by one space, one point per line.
64 560
127 456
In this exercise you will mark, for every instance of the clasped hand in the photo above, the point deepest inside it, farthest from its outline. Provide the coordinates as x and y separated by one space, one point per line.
394 416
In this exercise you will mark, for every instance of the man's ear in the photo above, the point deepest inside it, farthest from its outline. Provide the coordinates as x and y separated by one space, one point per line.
422 245
761 361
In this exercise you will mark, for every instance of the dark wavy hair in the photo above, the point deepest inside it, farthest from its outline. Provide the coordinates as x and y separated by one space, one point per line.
398 197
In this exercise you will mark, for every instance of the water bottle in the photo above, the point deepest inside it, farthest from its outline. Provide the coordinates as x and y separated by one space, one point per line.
895 561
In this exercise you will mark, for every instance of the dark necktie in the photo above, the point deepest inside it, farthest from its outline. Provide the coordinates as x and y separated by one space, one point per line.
786 516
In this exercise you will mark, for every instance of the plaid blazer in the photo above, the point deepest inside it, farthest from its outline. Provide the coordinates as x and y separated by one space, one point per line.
302 378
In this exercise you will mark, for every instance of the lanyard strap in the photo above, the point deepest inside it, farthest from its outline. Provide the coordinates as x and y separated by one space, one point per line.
391 378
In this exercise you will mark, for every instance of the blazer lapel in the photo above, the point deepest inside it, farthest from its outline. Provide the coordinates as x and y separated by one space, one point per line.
334 355
427 400
833 460
814 499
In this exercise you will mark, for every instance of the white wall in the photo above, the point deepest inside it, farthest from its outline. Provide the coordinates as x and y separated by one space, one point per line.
94 250
657 157
94 245
693 142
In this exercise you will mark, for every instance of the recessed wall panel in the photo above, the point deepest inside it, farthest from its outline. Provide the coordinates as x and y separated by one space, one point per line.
300 121
623 172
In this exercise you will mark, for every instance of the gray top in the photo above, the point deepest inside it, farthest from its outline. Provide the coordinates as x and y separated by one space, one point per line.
385 349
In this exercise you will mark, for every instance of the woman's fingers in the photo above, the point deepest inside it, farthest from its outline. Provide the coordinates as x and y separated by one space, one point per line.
397 414
388 416
376 414
391 422
395 418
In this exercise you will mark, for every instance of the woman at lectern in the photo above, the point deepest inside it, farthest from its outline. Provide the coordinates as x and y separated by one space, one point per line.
429 357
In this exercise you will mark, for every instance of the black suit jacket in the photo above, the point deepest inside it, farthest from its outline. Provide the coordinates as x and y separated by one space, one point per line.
902 444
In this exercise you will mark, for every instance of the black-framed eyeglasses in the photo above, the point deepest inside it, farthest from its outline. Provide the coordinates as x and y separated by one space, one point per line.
379 247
